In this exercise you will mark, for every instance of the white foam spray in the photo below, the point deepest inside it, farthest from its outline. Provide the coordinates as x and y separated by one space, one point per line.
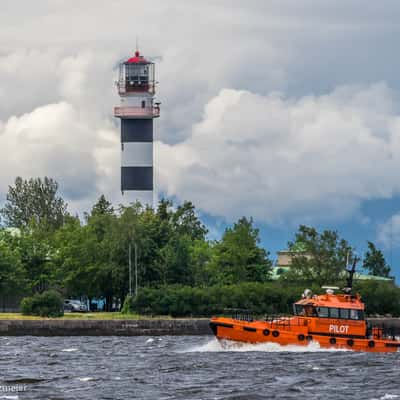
215 346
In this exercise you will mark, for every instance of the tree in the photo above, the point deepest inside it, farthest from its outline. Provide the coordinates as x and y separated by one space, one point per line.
12 277
176 234
102 207
238 257
321 259
375 263
101 217
34 199
186 222
83 259
177 261
201 252
36 254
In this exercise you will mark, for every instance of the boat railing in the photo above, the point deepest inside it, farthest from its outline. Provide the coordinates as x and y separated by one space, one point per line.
275 320
279 321
240 314
383 331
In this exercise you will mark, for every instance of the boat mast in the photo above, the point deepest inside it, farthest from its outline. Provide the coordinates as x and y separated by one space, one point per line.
351 269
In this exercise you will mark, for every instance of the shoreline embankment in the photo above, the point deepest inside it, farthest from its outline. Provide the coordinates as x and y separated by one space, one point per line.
93 327
128 327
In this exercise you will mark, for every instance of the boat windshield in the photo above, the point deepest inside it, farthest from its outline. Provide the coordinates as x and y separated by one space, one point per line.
340 313
305 310
328 312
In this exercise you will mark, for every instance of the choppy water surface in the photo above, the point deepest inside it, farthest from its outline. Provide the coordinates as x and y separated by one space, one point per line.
189 367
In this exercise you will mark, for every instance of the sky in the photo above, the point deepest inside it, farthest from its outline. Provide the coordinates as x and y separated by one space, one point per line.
286 111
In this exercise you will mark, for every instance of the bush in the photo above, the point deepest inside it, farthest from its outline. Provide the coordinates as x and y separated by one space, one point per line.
46 304
128 307
185 301
379 297
260 298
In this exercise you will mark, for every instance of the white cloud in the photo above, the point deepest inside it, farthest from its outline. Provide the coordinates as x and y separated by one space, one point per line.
252 152
55 140
285 159
389 232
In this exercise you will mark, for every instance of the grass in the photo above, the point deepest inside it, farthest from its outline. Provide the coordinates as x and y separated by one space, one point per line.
89 315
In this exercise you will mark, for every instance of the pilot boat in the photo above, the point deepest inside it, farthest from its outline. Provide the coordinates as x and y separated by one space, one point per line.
332 319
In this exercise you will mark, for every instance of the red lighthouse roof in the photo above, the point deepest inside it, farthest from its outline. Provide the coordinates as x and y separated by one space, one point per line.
137 59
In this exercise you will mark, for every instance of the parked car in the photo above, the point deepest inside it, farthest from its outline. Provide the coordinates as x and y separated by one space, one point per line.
74 306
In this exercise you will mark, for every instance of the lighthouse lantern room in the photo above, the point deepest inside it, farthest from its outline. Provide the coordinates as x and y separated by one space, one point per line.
136 88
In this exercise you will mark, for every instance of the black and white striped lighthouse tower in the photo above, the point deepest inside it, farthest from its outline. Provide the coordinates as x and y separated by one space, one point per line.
136 88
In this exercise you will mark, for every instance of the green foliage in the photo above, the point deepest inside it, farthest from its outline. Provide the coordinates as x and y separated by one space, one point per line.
34 200
128 307
260 298
380 297
186 222
46 304
185 301
180 271
238 257
102 207
375 263
12 274
322 258
36 254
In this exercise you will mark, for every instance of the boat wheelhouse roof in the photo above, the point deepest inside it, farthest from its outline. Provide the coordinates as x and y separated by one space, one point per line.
334 300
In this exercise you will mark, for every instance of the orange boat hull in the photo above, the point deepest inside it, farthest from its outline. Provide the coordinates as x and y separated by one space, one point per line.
264 332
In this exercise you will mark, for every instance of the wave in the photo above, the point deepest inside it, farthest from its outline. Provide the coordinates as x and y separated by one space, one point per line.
86 379
228 346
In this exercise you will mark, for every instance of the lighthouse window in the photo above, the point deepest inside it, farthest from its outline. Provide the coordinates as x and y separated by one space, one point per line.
132 74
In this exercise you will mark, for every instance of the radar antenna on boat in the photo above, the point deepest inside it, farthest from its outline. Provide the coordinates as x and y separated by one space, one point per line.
307 294
330 289
351 269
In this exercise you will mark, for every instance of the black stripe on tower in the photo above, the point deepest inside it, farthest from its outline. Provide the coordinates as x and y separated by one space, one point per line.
136 178
136 130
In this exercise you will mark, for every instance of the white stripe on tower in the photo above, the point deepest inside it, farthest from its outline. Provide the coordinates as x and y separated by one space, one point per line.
137 154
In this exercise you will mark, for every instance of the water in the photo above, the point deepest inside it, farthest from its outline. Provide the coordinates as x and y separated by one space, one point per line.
188 367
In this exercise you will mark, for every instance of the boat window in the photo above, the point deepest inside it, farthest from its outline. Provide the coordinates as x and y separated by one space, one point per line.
310 311
307 310
299 309
344 313
334 312
353 314
323 312
356 314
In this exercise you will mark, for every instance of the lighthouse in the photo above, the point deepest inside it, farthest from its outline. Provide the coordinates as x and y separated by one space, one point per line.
136 88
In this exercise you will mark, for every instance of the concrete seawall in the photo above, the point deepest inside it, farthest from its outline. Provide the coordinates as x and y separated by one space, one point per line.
65 327
141 327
